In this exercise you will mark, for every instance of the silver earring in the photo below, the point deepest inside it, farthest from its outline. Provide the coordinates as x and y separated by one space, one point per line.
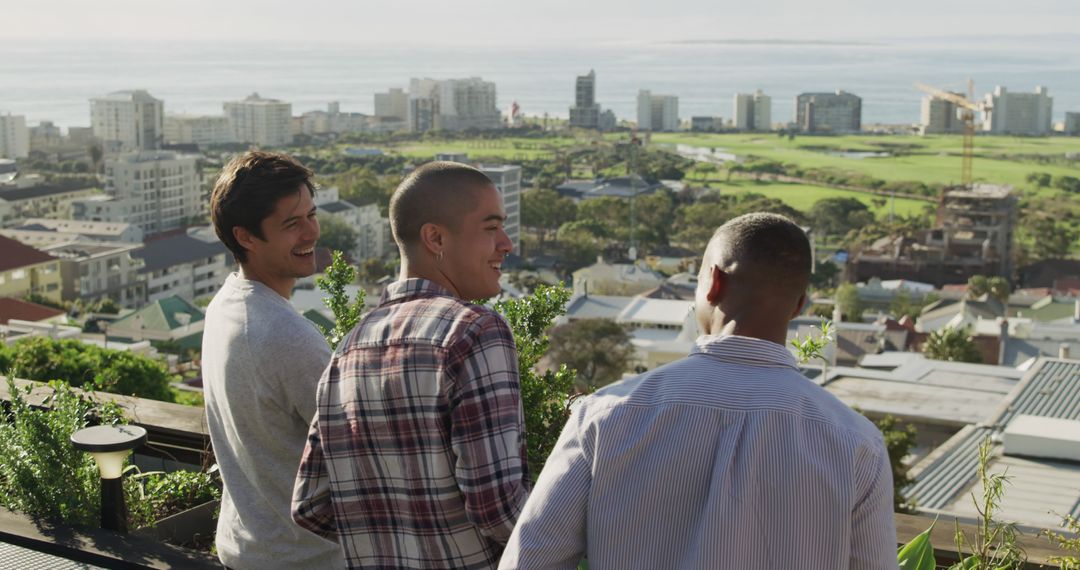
438 257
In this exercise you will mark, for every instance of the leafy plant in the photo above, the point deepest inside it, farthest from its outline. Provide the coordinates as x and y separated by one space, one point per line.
41 473
813 345
545 397
953 344
1066 543
338 275
154 495
919 553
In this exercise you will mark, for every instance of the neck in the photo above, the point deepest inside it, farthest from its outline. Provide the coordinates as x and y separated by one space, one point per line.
745 325
411 269
282 286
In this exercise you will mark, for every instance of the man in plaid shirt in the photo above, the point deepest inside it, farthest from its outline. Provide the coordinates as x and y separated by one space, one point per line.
416 457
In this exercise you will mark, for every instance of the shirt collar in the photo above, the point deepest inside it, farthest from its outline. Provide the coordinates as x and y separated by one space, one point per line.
745 350
406 289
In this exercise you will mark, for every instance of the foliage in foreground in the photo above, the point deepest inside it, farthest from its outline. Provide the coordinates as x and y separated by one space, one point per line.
83 365
346 314
1066 543
993 545
43 475
545 397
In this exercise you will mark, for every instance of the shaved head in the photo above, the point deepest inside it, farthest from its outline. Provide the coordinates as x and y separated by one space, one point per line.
754 277
436 193
768 251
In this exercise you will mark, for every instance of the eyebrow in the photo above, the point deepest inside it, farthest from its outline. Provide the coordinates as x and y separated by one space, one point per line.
494 218
292 218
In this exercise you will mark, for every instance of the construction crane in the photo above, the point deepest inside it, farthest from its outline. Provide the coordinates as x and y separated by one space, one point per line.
968 106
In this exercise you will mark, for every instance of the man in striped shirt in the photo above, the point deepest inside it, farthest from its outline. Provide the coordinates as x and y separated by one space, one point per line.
729 458
416 457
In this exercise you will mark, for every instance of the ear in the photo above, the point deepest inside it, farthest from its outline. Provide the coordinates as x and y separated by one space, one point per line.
245 238
718 287
799 306
433 237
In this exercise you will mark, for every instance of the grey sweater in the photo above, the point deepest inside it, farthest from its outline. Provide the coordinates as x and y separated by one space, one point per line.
261 363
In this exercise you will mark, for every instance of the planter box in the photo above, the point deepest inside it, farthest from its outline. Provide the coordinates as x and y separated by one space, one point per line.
186 528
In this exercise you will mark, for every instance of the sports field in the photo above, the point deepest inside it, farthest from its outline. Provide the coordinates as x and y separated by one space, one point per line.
803 196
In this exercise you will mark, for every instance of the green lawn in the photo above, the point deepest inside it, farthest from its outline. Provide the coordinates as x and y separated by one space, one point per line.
925 159
504 148
803 196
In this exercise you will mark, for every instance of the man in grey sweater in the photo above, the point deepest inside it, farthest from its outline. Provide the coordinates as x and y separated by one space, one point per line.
261 362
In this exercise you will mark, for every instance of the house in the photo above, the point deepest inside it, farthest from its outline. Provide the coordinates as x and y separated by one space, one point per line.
19 310
169 319
617 187
25 270
190 265
1034 435
661 330
67 230
625 279
92 271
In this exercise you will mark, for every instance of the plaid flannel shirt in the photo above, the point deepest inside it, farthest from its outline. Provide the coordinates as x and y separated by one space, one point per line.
416 456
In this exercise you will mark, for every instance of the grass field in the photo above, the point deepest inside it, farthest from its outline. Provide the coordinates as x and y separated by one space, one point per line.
925 159
503 148
802 196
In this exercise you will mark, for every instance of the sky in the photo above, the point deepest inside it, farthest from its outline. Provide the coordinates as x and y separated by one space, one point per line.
515 23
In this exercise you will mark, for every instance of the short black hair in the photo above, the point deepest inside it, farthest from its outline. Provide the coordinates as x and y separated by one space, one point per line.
769 249
438 192
247 191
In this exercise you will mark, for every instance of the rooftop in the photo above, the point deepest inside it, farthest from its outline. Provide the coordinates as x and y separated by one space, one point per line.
15 255
175 250
20 310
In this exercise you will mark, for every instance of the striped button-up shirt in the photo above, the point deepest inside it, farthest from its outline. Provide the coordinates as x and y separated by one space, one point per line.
729 458
416 457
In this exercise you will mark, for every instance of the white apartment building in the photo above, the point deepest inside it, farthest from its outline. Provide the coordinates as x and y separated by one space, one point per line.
203 130
939 116
190 266
1018 113
375 240
128 120
255 120
452 105
14 137
752 111
92 271
394 104
507 179
838 112
1072 124
657 112
157 191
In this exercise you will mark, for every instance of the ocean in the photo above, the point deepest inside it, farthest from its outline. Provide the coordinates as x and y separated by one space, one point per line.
54 81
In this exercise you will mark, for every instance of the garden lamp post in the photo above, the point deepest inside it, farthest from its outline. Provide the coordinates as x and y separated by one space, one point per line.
110 445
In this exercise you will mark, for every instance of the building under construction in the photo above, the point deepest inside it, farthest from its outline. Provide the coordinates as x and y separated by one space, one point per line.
973 236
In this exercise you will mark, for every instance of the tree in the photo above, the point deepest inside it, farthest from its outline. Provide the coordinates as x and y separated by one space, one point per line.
1040 179
1070 184
997 287
851 306
952 344
545 210
599 349
838 216
1050 238
373 269
80 364
336 234
899 439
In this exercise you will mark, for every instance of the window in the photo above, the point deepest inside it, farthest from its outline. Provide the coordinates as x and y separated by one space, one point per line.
18 274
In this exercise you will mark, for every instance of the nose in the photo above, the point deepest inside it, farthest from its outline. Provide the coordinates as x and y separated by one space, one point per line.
504 244
311 229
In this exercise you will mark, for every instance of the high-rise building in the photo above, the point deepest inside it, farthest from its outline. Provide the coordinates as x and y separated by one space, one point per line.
453 105
128 120
202 130
394 104
1018 113
752 111
255 120
507 179
939 116
157 191
839 112
585 113
657 112
1072 124
14 137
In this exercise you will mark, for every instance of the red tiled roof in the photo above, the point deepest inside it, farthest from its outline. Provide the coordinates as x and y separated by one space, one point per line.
14 254
25 311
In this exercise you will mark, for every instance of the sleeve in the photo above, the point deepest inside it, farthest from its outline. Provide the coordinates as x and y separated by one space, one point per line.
311 506
873 527
551 532
303 369
487 427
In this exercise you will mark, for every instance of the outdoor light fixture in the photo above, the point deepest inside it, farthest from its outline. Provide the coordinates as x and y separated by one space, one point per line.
110 445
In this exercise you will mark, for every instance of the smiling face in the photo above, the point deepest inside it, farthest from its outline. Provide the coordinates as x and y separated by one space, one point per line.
474 252
286 250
